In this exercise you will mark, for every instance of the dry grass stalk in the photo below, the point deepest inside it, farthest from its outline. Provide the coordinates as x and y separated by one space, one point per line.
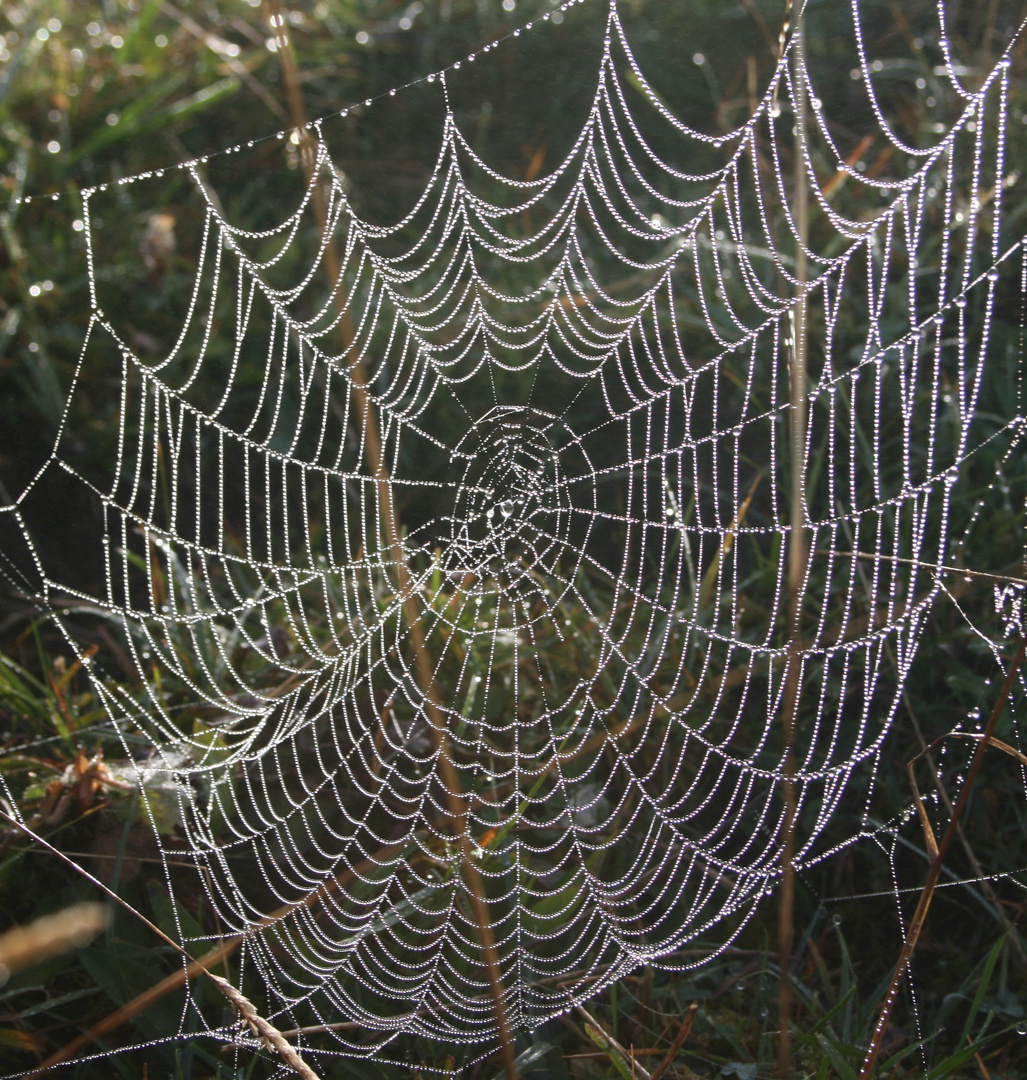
137 1005
980 1061
797 545
938 568
266 1030
601 1036
683 1033
194 968
190 971
939 851
68 929
457 804
985 885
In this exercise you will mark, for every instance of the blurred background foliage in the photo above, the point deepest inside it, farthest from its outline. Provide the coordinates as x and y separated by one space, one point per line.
91 92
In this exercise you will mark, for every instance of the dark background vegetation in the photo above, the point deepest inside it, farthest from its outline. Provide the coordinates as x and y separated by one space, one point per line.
92 92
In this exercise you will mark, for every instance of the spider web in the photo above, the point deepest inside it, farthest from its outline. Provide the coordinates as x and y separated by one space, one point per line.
474 563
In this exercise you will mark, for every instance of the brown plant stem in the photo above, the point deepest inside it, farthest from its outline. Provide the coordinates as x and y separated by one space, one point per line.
797 553
683 1032
939 851
457 804
612 1046
971 855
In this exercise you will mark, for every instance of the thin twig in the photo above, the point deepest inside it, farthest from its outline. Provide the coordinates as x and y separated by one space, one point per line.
189 971
985 886
979 1060
982 574
939 850
683 1033
975 865
612 1043
158 991
137 1005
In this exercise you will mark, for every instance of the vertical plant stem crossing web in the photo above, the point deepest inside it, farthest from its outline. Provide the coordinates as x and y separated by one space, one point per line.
797 550
518 586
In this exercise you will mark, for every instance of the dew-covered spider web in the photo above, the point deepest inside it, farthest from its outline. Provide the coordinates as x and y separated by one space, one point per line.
453 549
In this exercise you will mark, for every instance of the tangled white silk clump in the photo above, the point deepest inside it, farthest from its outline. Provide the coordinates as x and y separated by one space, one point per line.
581 387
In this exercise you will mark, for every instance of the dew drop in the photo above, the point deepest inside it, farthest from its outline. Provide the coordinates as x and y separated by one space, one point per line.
1021 1028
